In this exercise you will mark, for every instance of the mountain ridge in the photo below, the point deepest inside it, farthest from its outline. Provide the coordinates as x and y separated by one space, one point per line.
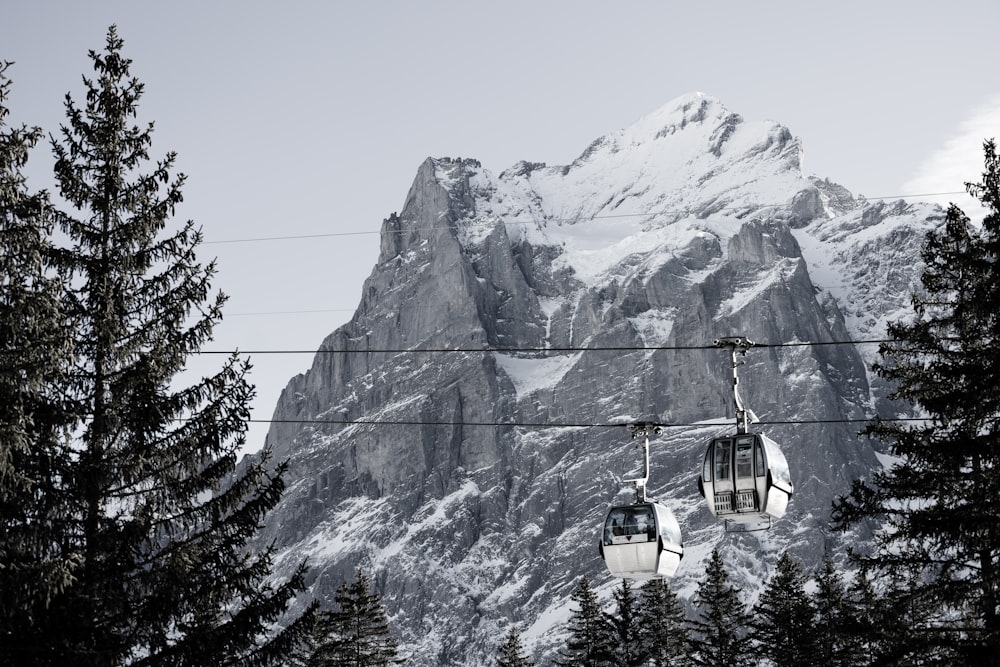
464 482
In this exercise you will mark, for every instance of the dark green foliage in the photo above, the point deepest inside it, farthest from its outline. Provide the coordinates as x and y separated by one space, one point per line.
663 632
719 631
591 641
356 634
874 622
890 612
840 626
141 500
937 506
35 345
511 652
625 622
783 626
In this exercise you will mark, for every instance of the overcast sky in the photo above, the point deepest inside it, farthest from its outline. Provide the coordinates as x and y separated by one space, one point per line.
305 118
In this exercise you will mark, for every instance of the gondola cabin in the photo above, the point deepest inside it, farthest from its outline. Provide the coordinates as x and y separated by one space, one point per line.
745 479
641 541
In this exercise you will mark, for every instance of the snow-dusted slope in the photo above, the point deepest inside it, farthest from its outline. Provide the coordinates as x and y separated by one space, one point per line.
472 483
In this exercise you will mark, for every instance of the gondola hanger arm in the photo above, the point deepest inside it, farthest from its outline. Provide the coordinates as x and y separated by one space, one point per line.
642 430
740 345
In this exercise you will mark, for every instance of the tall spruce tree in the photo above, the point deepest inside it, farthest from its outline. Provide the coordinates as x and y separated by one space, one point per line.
873 623
663 631
839 625
625 622
783 626
719 633
591 636
149 498
356 634
937 504
886 615
511 653
34 346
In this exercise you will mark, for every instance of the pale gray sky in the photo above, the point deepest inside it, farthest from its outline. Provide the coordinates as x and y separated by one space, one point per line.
300 118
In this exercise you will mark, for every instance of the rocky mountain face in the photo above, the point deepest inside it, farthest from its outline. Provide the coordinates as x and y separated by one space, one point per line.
462 437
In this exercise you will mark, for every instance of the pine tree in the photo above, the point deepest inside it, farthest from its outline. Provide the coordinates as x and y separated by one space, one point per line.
872 622
783 628
839 627
34 346
591 636
663 631
357 634
147 495
719 631
512 652
625 622
937 505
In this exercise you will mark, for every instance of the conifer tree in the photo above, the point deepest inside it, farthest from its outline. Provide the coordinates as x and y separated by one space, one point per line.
356 634
512 652
591 636
148 497
887 615
34 347
663 631
625 622
873 623
839 625
937 505
783 628
719 631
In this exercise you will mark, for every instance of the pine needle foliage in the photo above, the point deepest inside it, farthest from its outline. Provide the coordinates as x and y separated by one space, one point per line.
356 634
663 631
511 653
784 625
840 626
937 505
145 503
591 637
626 624
34 348
719 631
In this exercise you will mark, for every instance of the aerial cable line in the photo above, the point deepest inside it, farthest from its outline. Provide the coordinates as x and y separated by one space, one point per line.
406 422
519 350
722 423
297 237
538 350
292 312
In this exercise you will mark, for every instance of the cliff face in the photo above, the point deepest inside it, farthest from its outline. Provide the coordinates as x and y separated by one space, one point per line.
471 483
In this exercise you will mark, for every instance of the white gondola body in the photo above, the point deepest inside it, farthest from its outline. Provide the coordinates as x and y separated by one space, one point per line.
745 479
641 541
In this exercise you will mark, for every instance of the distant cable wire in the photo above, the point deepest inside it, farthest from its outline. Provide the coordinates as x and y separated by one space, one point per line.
514 424
475 350
510 222
295 237
541 350
292 312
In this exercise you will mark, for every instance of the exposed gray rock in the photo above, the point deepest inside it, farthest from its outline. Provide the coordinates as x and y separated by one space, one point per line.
471 483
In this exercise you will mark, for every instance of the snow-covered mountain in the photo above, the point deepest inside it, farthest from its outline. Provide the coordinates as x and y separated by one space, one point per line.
471 484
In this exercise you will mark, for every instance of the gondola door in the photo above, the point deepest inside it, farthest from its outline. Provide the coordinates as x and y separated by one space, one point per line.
722 479
745 479
737 474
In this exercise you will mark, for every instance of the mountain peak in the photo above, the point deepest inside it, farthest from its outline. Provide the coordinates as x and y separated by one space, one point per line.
697 123
679 112
468 483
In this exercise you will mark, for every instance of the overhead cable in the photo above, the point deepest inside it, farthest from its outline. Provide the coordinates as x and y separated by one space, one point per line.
686 211
539 350
547 425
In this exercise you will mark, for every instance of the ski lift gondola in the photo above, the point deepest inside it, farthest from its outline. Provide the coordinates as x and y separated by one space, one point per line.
641 540
744 477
